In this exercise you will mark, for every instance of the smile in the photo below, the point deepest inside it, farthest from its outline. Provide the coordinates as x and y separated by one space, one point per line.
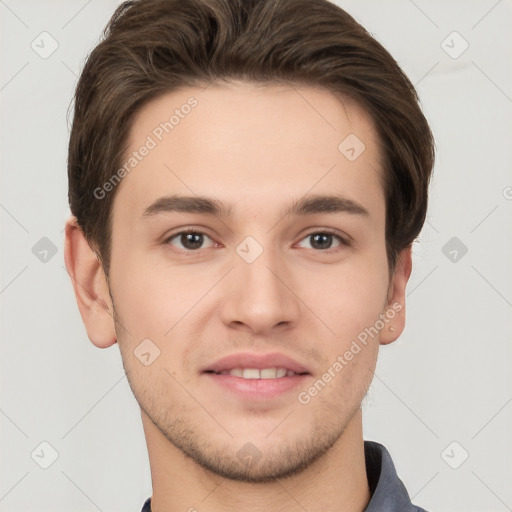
256 373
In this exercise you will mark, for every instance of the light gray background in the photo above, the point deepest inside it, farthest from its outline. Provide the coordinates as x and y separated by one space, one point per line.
447 379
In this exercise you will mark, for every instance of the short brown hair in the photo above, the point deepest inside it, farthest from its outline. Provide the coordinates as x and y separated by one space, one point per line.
153 47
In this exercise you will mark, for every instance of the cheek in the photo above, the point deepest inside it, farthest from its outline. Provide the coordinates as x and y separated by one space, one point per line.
164 303
350 305
348 298
153 297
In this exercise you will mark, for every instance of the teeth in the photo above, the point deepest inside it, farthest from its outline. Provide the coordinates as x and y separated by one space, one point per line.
268 373
251 373
255 373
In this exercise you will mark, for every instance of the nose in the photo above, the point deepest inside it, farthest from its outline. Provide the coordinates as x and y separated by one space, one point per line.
260 298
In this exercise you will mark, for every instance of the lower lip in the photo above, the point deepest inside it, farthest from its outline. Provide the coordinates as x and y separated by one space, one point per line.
254 389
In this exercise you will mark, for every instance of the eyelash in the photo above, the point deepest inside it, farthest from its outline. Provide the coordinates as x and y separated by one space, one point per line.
343 241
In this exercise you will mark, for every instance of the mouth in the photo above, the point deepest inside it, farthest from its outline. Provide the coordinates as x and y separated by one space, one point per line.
257 376
256 373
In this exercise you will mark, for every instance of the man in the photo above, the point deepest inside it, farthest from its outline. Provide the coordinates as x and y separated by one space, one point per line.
246 179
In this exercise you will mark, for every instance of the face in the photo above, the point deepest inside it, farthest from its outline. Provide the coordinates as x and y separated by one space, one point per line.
246 303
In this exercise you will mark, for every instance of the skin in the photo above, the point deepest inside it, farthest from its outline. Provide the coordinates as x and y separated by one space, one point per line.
258 149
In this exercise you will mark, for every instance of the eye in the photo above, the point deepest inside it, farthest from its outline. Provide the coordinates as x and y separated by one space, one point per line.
190 240
193 240
323 240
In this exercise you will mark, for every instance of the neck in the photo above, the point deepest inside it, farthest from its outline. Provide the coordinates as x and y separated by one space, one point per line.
336 481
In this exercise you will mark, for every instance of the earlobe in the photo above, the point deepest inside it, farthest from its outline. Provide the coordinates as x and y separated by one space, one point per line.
90 286
395 309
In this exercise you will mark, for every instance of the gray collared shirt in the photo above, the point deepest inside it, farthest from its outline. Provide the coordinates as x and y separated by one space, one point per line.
387 490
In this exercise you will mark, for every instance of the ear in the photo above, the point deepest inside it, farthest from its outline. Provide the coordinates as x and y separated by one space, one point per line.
90 285
395 308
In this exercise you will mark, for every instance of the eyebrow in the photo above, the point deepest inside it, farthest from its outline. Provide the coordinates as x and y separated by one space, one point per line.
210 206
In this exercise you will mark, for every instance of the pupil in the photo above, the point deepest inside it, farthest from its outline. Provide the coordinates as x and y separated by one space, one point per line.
318 238
192 240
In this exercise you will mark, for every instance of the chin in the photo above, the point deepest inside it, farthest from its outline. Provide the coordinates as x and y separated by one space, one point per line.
260 454
252 465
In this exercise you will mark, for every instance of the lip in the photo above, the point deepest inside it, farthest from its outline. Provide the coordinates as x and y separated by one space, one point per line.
257 389
258 361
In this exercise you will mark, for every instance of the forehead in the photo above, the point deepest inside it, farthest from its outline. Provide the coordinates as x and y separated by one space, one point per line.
265 142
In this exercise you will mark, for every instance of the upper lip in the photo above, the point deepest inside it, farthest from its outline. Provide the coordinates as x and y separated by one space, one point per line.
259 361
